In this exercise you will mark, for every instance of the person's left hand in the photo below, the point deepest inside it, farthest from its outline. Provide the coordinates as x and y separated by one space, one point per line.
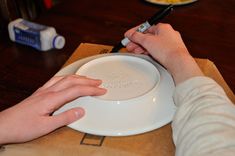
32 117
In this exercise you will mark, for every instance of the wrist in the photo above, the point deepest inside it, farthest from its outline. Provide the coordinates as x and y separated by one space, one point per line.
184 67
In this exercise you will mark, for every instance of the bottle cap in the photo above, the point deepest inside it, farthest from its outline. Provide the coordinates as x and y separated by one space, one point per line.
58 42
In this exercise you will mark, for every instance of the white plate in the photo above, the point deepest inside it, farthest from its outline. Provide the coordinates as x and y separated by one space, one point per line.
124 77
174 2
135 111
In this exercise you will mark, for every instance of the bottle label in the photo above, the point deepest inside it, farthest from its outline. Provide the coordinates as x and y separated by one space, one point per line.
28 33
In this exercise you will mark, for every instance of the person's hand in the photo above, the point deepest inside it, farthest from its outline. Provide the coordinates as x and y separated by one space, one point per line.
165 45
32 117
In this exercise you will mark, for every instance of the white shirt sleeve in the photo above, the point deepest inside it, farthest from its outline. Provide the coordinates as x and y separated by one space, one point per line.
204 123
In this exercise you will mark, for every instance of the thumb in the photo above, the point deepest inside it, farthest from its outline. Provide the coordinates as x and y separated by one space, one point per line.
67 117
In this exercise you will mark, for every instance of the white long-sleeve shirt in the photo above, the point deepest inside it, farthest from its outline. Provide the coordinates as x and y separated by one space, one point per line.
204 124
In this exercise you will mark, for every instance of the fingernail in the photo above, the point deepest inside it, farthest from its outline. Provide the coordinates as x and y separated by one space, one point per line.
79 112
104 90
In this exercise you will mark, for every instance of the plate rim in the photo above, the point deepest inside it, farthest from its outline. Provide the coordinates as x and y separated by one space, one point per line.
148 128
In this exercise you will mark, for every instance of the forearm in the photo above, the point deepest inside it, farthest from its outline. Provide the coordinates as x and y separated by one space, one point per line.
204 123
3 130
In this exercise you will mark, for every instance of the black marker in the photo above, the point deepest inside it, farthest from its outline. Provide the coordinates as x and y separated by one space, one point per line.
143 27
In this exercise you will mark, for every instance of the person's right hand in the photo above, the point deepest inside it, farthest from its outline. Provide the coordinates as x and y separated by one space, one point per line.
166 46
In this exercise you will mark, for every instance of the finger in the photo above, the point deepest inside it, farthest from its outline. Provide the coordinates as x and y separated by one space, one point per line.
65 118
49 83
72 80
54 100
52 81
131 31
151 30
145 40
56 79
131 46
139 50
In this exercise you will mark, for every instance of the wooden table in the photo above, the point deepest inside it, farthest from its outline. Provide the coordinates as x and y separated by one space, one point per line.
207 27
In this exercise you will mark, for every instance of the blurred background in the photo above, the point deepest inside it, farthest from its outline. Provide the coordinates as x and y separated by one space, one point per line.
27 9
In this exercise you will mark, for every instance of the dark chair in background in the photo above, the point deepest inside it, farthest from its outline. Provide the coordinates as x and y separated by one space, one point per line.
27 9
